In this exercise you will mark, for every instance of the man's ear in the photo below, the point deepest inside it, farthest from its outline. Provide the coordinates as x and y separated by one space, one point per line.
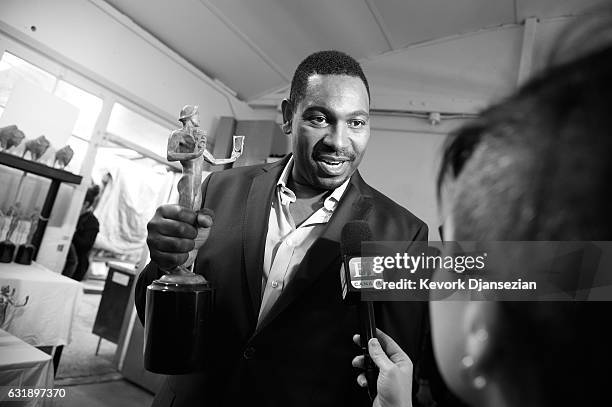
287 109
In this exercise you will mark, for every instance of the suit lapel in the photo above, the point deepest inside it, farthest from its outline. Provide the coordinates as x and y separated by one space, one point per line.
255 228
324 250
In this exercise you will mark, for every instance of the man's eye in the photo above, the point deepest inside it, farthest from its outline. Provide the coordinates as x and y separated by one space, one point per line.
356 124
318 120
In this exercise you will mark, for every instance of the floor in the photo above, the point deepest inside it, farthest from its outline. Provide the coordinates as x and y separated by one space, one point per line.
118 393
79 358
90 379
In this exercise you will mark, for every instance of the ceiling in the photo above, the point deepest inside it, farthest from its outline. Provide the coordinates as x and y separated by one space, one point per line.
414 52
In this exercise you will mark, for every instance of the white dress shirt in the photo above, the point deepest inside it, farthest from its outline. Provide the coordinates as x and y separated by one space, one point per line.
286 245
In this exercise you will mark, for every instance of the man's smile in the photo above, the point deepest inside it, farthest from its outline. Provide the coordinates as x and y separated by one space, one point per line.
332 165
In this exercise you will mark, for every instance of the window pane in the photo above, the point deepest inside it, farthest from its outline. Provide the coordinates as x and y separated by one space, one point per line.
137 129
80 149
13 69
89 108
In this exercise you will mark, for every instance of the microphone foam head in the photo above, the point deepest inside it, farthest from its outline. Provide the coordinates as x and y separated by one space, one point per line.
353 234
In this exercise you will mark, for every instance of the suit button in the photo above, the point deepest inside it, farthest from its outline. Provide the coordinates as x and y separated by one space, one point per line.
249 353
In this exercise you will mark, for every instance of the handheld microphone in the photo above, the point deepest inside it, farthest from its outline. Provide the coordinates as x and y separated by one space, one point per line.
354 278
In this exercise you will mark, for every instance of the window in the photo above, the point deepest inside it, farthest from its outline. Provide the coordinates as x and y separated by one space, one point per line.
138 130
14 69
89 109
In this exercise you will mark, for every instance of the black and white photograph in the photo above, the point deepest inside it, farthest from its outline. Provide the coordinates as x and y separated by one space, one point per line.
309 203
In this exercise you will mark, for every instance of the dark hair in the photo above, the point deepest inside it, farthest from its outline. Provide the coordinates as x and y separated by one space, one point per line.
537 167
586 35
92 194
324 63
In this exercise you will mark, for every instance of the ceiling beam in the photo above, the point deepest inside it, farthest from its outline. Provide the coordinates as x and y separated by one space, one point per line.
381 24
526 57
246 39
516 11
128 23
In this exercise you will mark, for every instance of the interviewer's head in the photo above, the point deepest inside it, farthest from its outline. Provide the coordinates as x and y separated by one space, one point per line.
536 167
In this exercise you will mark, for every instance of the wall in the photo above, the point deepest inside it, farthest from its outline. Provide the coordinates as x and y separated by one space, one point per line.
94 40
402 160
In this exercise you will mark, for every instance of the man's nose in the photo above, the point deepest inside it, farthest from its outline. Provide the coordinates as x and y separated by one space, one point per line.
337 138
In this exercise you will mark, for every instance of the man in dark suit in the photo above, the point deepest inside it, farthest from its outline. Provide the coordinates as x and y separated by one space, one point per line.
280 333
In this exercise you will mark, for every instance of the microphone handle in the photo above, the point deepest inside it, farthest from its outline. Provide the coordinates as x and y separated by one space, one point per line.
368 331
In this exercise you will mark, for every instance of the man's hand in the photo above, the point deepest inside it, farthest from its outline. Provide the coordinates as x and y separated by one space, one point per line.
173 232
394 383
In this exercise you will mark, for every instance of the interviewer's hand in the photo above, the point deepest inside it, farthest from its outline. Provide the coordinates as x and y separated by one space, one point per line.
174 231
394 384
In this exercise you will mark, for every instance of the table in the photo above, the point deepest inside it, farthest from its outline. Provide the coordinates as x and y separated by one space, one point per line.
47 318
23 366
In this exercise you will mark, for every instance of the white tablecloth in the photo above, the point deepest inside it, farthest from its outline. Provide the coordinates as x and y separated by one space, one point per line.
47 318
23 366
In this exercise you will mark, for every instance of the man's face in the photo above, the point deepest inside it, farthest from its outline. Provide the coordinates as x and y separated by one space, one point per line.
330 130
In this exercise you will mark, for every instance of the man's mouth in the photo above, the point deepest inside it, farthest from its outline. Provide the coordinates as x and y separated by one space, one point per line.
332 165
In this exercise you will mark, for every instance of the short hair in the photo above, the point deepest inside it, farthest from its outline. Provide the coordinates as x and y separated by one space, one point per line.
324 63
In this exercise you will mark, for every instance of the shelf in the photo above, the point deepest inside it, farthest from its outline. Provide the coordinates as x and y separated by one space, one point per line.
39 169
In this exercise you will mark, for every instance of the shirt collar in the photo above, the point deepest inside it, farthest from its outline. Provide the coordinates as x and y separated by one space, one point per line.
288 196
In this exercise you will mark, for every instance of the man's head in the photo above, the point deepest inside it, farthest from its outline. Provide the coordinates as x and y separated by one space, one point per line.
90 198
327 115
535 167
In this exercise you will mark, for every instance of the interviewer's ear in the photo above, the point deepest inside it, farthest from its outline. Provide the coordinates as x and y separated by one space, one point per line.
480 328
287 109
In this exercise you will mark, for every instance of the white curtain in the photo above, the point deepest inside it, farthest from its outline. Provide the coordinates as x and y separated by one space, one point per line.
128 203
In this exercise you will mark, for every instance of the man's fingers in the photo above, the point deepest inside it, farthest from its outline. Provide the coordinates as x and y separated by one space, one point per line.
204 220
361 380
207 211
168 261
357 340
379 356
172 228
171 244
177 212
358 362
391 348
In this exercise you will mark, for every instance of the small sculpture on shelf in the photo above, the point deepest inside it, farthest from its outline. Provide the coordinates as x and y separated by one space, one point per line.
63 156
7 298
7 248
25 252
10 136
36 147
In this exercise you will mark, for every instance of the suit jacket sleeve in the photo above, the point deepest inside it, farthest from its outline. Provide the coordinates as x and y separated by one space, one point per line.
151 273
